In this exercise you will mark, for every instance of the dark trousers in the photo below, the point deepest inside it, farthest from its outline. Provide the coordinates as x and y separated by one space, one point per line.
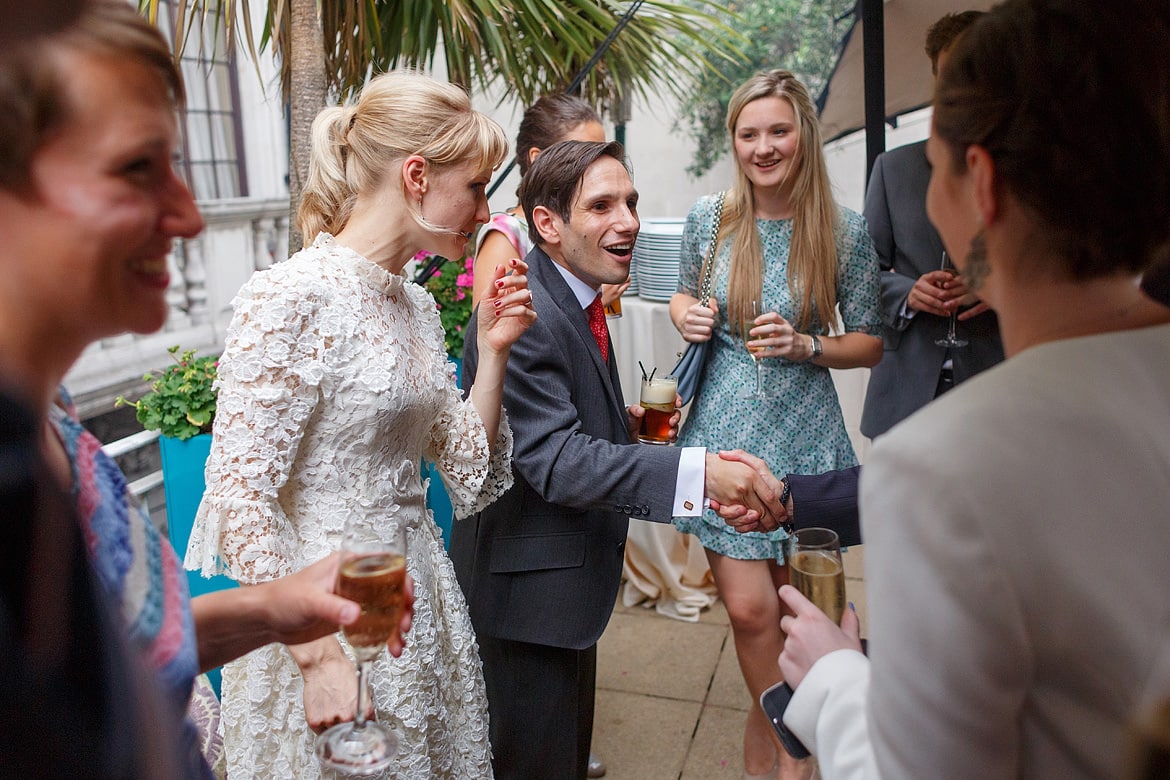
540 706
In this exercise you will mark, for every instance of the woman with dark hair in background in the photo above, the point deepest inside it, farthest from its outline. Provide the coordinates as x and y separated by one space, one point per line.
550 119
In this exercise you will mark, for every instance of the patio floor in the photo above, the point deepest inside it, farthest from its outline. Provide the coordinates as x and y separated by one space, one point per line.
670 698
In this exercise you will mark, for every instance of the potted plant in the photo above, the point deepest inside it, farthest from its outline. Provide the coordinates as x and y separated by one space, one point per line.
181 401
181 407
451 288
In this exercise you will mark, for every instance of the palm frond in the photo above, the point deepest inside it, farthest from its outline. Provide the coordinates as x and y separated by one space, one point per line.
531 46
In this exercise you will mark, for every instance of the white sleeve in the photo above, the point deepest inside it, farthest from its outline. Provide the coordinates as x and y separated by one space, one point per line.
267 389
828 714
689 482
474 474
949 649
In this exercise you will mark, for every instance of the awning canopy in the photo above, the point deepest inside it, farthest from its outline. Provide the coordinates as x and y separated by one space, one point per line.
908 80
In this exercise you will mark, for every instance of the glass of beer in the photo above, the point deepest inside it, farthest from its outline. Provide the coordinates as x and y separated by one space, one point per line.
815 569
657 399
373 574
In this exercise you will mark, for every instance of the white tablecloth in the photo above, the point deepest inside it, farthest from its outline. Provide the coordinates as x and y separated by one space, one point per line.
663 566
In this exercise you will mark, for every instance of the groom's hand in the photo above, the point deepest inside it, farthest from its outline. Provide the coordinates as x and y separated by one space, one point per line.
735 516
745 498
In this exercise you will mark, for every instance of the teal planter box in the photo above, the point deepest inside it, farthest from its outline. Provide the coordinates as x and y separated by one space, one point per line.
437 499
183 463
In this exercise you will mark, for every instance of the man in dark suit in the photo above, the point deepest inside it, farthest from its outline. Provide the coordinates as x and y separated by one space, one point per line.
917 297
541 566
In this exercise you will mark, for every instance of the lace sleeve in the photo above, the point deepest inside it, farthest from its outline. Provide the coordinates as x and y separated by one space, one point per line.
269 376
457 443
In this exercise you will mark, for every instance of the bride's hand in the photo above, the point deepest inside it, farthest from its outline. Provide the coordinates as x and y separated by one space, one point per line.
506 311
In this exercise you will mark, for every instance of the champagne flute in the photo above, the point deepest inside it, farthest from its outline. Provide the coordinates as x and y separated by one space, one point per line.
373 574
816 570
950 340
757 393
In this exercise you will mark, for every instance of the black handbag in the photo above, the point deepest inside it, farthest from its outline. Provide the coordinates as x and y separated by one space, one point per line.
689 368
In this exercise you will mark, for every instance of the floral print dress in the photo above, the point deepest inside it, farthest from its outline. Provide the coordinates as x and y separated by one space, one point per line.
799 428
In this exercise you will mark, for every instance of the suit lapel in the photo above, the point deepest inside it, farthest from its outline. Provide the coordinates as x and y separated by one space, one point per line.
922 181
542 268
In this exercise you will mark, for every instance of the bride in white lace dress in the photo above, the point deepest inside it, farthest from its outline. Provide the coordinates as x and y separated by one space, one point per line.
333 385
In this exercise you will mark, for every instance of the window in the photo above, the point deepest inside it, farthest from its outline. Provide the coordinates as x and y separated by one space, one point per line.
212 156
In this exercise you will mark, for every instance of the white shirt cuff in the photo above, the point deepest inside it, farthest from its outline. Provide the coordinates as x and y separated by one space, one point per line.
688 485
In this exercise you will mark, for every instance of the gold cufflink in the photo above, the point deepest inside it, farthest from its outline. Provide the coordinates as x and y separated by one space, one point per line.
687 505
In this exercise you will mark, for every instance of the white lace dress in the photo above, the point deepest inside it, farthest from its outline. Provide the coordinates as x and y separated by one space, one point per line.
333 385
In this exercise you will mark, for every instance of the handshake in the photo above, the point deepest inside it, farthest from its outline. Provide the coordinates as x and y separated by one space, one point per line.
744 491
741 488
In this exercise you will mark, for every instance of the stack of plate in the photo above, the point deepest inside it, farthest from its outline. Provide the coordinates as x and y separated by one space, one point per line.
656 258
632 290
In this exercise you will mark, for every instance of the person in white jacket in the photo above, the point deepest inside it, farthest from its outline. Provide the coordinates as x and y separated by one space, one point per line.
1016 530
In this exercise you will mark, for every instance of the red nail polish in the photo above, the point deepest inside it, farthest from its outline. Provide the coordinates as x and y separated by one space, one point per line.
499 283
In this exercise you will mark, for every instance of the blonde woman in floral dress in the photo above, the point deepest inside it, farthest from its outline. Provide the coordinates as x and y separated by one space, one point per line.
333 385
785 244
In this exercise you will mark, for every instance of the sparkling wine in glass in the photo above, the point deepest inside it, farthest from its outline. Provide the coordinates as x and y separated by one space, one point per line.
816 570
755 393
373 574
950 340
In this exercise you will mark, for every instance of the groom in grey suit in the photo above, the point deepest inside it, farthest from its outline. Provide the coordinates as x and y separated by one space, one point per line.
914 290
541 567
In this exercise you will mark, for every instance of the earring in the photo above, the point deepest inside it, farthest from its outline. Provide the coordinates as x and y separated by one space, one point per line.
977 267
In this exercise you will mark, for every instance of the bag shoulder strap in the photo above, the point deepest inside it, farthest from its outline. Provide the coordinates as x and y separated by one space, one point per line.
707 278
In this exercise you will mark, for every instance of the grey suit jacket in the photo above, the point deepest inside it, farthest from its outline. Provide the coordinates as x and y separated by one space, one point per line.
908 246
543 563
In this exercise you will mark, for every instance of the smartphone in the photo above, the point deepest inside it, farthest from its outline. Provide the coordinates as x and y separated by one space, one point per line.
774 701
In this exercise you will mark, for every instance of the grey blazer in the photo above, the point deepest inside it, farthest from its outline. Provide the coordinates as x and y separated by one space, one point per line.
543 563
908 246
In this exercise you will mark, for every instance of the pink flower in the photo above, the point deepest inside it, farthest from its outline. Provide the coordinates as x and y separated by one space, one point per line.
460 295
464 280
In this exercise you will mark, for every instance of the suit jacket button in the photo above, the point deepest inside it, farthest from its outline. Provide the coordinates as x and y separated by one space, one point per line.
627 509
646 509
617 507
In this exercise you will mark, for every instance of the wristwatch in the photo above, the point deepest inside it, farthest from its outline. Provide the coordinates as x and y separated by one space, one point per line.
787 526
817 349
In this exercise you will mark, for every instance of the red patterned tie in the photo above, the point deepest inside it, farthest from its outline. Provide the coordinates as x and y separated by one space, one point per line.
597 324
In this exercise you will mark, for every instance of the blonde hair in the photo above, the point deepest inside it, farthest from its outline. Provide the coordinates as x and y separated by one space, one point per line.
397 114
812 256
